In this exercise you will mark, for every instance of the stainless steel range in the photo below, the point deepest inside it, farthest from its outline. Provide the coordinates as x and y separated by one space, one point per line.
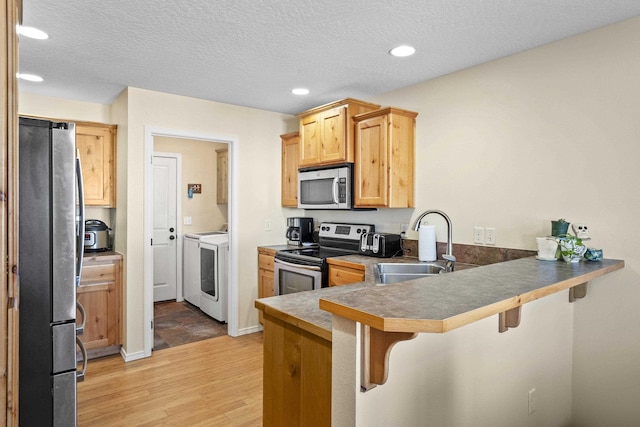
306 269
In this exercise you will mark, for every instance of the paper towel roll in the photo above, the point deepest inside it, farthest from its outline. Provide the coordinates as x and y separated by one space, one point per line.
427 243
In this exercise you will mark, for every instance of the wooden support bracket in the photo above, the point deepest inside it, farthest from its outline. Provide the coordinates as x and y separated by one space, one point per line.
509 319
579 291
376 348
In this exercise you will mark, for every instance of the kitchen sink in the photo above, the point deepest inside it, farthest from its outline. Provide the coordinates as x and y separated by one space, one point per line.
391 272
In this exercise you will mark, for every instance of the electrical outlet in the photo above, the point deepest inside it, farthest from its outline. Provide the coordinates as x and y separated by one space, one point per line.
490 237
187 220
478 235
532 401
267 225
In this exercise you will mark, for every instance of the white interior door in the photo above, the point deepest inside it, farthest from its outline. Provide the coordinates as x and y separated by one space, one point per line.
165 241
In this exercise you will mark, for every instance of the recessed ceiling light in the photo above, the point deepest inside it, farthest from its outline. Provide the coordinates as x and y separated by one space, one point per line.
300 91
32 33
29 77
402 51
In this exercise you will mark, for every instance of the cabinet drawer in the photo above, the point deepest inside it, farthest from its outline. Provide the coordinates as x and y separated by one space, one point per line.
98 273
339 275
265 262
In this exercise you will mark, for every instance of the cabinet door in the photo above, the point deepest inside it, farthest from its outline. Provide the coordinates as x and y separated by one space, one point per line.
265 279
290 160
310 140
99 303
222 181
334 136
371 178
96 145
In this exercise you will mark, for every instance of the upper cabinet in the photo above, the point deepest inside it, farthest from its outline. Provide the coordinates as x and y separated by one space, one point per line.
326 132
290 161
96 144
384 166
222 181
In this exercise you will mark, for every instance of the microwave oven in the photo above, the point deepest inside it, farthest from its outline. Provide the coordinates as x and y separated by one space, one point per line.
325 188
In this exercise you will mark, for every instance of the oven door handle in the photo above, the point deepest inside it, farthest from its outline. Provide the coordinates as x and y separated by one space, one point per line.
306 267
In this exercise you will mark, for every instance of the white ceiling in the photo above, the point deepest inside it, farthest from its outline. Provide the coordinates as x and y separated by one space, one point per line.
253 52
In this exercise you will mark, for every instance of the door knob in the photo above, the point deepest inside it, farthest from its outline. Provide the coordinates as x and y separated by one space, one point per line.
171 230
172 237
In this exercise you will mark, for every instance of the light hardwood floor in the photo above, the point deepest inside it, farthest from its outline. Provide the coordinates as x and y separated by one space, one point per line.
215 382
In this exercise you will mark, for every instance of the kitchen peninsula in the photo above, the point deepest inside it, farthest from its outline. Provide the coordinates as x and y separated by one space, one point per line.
300 349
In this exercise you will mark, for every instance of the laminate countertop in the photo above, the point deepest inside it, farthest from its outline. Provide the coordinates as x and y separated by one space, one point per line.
435 303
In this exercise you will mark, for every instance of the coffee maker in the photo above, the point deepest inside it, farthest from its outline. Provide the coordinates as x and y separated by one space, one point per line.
299 231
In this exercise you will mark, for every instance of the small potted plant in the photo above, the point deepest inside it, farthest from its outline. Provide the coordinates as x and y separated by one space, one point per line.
559 227
571 247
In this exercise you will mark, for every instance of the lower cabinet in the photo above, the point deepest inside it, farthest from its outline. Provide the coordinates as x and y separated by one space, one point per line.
265 273
297 376
344 273
99 293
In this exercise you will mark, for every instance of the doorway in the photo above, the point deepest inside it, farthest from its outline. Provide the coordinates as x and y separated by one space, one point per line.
151 134
179 166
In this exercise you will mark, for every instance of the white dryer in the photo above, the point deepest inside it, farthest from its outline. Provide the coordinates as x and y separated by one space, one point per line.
214 277
191 265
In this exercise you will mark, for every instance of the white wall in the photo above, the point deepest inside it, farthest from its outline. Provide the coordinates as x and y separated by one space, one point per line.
549 133
472 376
199 166
257 158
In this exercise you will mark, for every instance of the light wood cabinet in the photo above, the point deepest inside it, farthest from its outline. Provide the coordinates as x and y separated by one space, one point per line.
222 171
296 376
344 273
96 143
290 161
326 132
99 293
384 166
265 273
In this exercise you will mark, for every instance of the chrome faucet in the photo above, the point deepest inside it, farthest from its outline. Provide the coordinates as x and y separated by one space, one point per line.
449 255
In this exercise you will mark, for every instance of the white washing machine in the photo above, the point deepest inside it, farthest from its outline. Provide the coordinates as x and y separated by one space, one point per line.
214 277
191 264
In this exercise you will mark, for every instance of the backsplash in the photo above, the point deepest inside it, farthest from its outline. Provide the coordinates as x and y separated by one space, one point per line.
470 254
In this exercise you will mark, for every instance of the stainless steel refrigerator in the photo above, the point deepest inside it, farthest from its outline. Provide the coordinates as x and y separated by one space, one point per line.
51 236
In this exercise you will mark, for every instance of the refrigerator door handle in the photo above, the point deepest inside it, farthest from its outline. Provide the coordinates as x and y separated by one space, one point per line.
80 329
80 374
80 219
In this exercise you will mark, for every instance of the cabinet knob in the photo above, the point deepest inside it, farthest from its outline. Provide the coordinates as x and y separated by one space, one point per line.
172 237
171 230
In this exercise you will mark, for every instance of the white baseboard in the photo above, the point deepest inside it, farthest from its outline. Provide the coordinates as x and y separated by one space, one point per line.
250 330
129 357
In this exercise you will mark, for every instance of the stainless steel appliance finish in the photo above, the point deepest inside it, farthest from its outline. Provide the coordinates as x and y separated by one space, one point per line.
305 269
382 245
49 268
96 236
326 188
299 231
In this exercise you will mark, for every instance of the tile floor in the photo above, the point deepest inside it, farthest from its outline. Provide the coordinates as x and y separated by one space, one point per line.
177 323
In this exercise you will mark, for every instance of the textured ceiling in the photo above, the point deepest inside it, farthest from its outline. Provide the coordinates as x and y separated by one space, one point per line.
253 52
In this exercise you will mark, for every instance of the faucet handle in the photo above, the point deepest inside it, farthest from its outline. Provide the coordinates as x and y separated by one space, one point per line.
451 261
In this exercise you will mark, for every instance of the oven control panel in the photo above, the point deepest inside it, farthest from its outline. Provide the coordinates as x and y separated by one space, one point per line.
333 230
